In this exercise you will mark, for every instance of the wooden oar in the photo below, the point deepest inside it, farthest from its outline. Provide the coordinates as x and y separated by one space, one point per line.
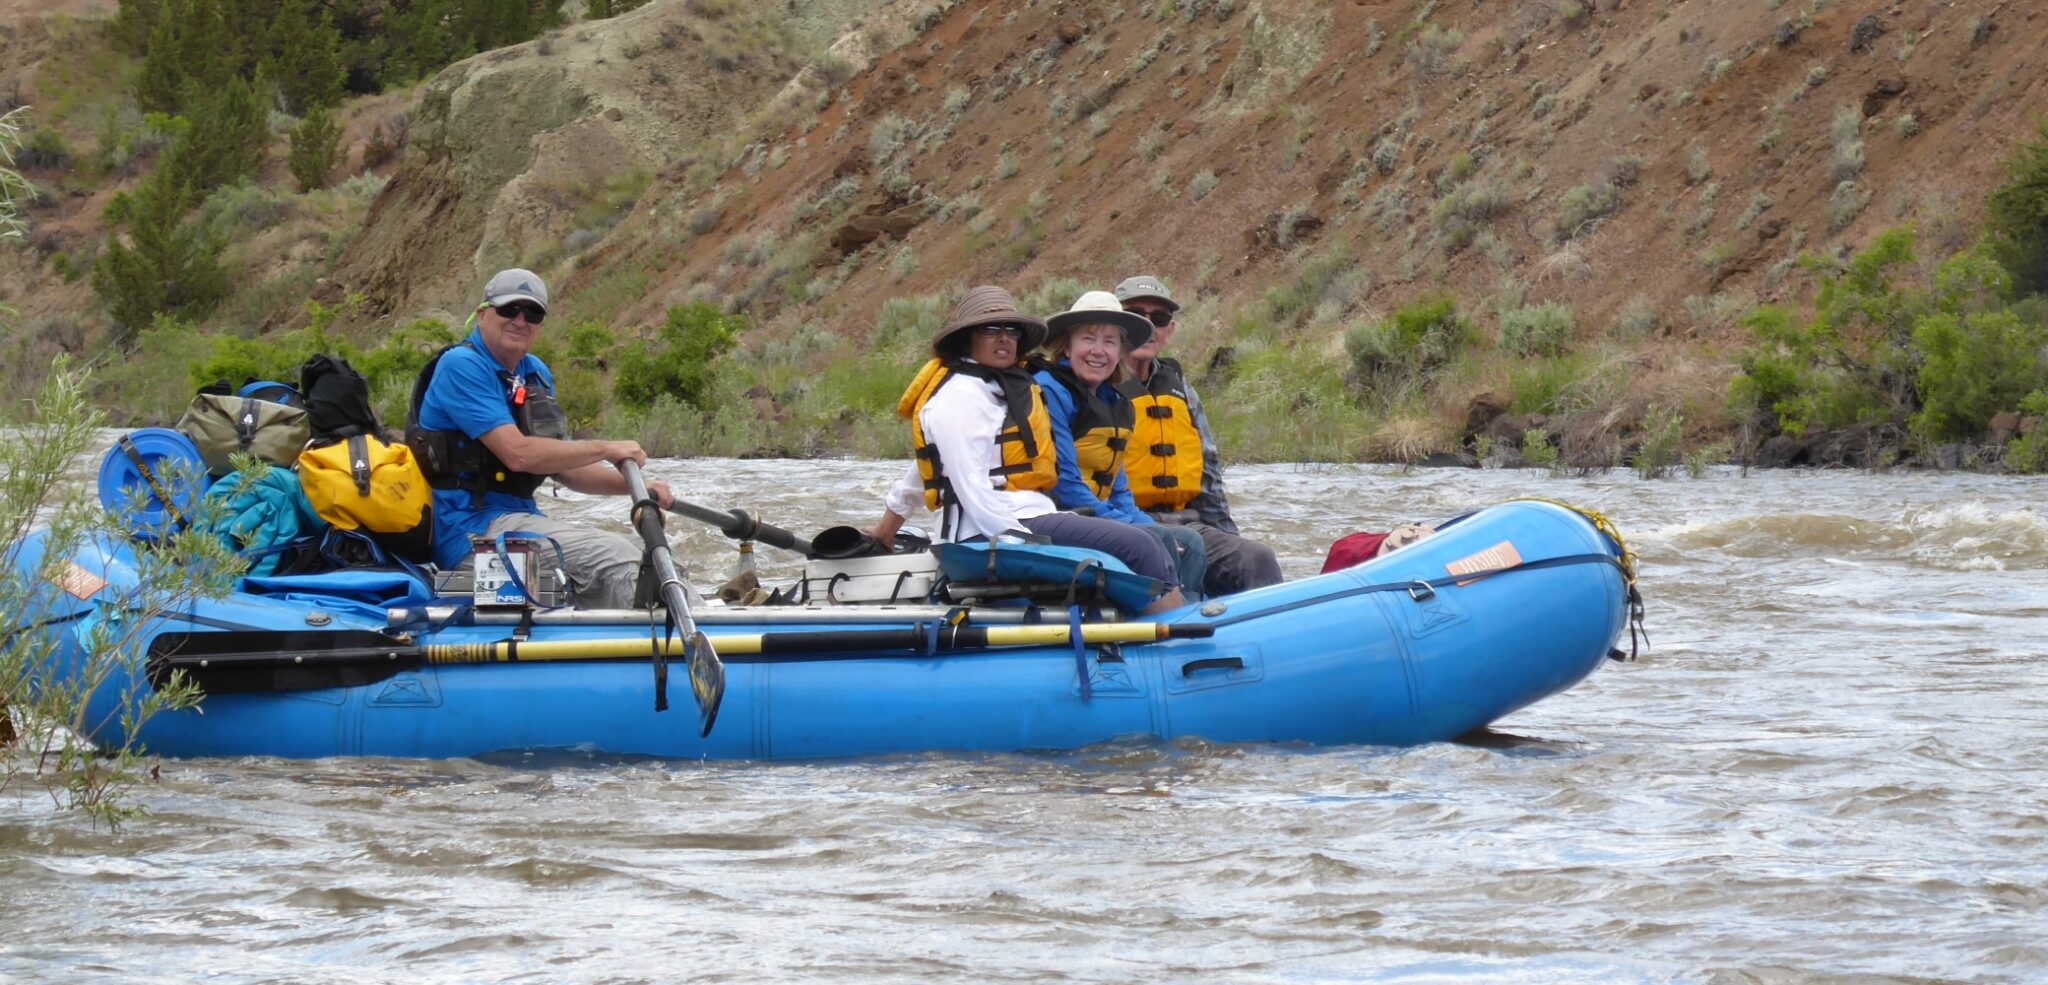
706 671
742 525
274 660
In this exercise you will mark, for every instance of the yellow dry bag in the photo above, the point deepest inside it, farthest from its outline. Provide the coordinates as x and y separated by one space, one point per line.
362 483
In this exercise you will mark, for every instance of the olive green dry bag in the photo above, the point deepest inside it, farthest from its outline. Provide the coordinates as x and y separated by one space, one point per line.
222 424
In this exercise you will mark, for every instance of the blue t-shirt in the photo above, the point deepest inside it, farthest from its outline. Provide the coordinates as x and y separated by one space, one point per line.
465 396
1070 492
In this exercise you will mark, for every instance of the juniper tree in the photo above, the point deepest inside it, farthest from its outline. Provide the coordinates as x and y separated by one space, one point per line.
165 262
230 131
316 149
305 58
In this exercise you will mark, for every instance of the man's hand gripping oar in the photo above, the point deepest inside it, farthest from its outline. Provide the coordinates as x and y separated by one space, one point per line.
707 672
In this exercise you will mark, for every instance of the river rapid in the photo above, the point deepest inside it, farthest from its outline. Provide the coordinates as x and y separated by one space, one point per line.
1829 766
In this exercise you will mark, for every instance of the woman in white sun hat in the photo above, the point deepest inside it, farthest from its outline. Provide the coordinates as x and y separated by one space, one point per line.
984 458
1092 422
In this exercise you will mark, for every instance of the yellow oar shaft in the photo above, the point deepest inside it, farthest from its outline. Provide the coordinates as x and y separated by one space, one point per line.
792 642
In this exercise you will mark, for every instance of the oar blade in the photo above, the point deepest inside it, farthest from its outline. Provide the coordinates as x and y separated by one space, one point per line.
261 661
707 680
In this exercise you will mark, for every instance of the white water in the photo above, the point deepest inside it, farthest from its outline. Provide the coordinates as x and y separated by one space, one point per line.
1827 768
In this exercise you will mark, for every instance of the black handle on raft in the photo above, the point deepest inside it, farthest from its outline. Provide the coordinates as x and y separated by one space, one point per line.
1193 667
742 525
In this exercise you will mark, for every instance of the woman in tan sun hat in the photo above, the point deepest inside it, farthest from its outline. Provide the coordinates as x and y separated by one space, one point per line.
984 453
1092 422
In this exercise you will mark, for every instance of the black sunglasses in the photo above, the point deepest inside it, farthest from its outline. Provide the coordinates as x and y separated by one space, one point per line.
1159 317
533 314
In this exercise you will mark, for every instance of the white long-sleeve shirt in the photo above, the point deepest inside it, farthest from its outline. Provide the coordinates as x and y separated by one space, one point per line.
962 421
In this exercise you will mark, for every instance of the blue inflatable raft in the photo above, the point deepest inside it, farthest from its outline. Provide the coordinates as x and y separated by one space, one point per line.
1504 608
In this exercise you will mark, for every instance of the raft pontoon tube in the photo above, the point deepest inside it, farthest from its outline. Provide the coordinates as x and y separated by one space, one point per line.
1501 609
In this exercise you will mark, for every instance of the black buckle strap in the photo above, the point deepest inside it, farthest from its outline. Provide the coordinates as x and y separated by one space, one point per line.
245 423
359 463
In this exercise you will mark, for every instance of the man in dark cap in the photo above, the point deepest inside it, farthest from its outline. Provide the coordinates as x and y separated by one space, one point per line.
488 432
1175 472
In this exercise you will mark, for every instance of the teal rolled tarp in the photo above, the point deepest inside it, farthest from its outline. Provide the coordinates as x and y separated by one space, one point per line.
260 513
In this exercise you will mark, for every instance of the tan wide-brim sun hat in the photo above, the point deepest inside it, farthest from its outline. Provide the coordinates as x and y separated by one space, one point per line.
1098 308
991 305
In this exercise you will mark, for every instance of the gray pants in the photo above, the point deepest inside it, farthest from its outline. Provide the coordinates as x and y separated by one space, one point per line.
603 567
1138 549
1236 563
1190 556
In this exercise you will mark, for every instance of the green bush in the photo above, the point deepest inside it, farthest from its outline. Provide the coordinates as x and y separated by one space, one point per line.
579 359
402 354
1658 451
1852 362
1546 386
151 382
1280 405
599 9
1537 449
2016 215
244 209
678 361
1392 353
47 736
1976 360
1536 329
14 189
46 149
316 149
1976 365
1309 286
2028 453
1584 206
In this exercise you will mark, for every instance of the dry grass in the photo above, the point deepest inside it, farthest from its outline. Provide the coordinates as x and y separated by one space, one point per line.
1409 438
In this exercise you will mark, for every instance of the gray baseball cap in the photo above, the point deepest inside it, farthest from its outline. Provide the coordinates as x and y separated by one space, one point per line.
516 285
1146 287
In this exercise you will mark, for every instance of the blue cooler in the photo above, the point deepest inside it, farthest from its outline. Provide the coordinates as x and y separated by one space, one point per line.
145 469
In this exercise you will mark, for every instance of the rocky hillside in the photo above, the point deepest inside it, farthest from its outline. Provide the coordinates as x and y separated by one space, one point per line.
1655 166
1628 157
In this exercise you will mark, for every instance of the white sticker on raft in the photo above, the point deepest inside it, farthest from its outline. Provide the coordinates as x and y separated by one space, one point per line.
1501 555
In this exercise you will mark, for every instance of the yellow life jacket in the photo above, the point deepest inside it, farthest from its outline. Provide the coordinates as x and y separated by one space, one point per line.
1164 460
1101 432
1028 458
361 483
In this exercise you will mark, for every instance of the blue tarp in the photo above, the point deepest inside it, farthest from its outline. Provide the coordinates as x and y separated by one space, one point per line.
365 591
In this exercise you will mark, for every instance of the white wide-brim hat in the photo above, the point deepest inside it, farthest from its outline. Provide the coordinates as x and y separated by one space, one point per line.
1099 308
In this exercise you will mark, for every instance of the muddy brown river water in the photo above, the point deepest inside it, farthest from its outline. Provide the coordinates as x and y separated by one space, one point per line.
1832 765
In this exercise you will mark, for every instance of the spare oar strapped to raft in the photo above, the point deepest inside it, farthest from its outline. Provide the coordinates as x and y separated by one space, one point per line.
742 525
285 660
707 673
